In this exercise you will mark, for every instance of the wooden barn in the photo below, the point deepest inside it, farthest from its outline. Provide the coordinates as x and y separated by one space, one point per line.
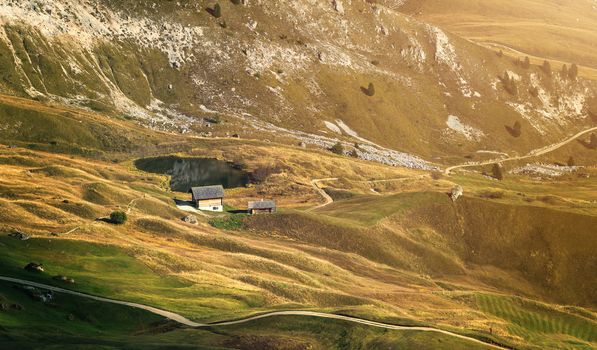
262 207
209 198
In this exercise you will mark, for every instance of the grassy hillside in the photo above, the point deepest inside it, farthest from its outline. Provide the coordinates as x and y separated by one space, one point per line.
427 233
269 87
399 258
58 129
561 32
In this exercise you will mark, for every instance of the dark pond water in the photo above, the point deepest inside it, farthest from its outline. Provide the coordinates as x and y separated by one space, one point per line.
188 172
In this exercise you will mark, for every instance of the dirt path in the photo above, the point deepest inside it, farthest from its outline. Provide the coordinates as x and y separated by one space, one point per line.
533 153
185 321
358 321
326 197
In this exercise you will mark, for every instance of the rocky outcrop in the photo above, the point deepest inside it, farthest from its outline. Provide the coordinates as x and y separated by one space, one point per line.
19 235
457 192
35 267
191 219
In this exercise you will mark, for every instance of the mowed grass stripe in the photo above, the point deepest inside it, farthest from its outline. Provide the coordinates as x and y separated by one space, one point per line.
531 320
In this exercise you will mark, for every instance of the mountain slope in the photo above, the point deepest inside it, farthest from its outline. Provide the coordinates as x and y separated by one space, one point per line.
290 71
562 31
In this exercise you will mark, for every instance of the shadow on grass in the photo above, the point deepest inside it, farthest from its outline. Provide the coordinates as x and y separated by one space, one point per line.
180 202
237 211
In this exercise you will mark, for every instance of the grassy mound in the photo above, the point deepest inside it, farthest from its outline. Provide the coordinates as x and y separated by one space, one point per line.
82 210
156 226
42 211
104 194
152 206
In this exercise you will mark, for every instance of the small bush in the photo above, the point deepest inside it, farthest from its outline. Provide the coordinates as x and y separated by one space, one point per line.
338 148
571 161
370 90
564 71
573 71
118 217
546 68
498 172
217 11
509 84
515 130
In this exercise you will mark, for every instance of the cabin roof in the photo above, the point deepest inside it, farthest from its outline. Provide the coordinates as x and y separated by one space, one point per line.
207 192
263 204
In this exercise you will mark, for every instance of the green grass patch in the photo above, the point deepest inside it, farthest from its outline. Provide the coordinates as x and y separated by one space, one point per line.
231 222
338 194
69 314
112 272
71 322
369 210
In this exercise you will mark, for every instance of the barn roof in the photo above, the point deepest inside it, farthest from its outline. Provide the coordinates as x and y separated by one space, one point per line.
262 204
207 192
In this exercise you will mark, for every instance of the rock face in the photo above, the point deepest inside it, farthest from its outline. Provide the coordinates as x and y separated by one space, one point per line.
456 193
191 219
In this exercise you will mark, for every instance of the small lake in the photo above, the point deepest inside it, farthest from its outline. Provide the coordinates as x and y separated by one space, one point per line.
189 172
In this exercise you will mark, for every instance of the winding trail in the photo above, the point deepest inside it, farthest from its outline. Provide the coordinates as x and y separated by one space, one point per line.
185 321
167 314
531 154
326 197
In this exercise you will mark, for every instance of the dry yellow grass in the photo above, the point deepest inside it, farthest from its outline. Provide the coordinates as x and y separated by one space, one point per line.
553 30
